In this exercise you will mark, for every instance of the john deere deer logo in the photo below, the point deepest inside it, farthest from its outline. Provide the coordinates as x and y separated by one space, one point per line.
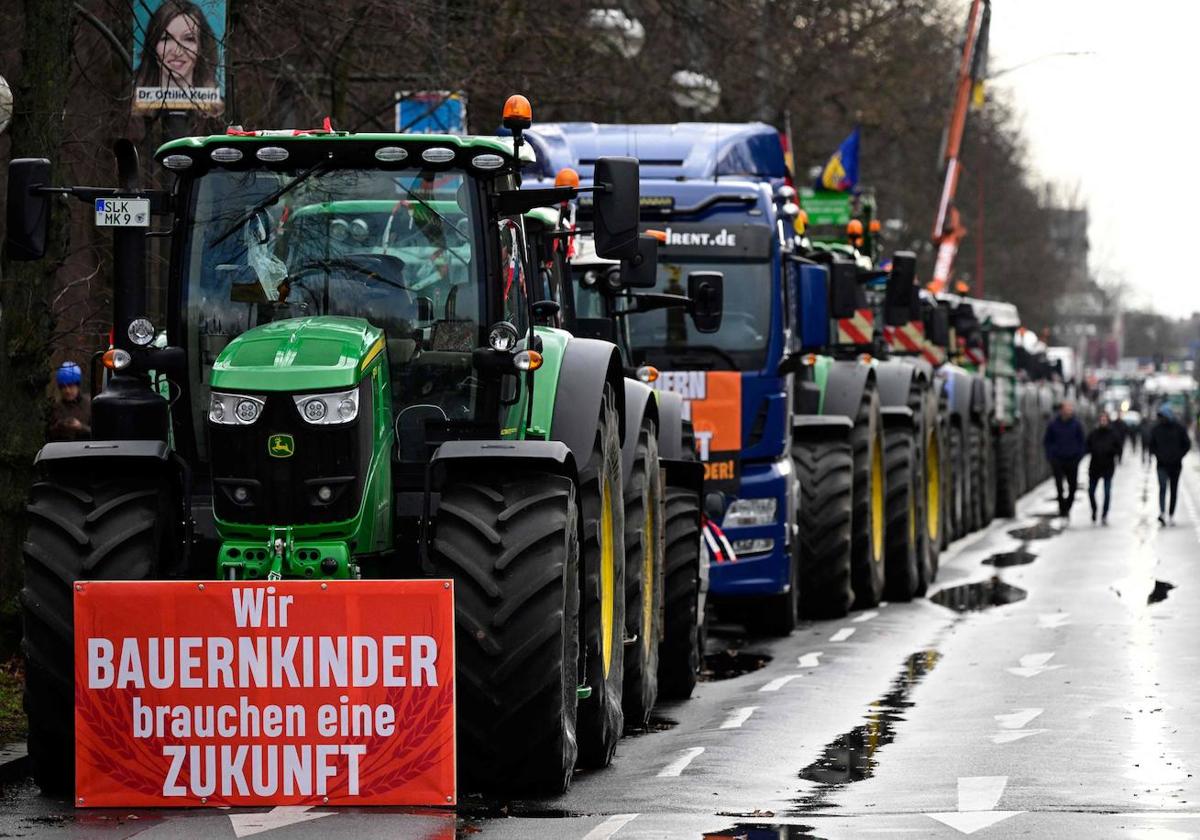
281 446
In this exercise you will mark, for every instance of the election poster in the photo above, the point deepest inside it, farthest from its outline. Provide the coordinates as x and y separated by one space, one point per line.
712 400
179 56
431 112
286 692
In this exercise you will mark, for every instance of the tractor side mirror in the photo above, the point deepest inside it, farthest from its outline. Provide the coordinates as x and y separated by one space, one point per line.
641 270
843 289
28 212
616 207
707 292
897 305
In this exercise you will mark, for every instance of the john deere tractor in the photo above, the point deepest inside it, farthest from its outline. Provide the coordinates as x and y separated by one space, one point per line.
358 389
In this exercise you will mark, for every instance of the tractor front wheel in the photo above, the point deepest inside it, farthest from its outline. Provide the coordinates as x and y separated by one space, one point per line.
644 517
900 464
683 626
825 470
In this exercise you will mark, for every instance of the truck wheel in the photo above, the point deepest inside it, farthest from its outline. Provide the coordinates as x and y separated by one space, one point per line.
977 466
601 719
825 470
510 543
867 544
644 518
683 627
958 484
82 526
900 462
1006 473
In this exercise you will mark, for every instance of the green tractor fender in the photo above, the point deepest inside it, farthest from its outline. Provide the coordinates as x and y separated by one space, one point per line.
960 390
639 404
895 379
587 366
549 455
844 387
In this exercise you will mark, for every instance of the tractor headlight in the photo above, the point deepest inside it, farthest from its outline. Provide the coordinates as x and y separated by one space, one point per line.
502 336
328 409
744 513
233 409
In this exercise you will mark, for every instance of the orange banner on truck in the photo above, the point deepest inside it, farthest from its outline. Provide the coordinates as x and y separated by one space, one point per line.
284 692
712 400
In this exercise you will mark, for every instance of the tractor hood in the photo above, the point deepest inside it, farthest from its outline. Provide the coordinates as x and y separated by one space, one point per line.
299 354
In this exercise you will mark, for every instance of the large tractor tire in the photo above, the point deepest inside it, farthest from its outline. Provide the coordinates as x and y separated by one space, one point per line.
903 572
83 525
978 466
682 647
959 474
510 543
1008 480
867 543
601 718
825 470
645 516
931 512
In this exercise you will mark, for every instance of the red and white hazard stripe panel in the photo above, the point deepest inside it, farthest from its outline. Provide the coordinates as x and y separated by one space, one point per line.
906 338
856 330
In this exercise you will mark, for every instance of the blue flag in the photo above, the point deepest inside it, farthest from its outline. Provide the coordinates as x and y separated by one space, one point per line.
840 173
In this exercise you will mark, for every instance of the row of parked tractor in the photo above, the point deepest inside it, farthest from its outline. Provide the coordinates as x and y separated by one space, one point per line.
604 398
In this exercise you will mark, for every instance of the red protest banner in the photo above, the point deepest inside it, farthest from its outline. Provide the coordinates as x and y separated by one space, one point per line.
285 692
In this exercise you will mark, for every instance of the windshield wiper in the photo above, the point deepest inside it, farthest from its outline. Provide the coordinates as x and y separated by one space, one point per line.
271 199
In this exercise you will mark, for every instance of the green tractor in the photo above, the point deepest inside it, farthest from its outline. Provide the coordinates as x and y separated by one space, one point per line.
359 388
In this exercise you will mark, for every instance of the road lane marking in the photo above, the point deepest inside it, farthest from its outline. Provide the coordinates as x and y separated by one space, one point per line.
1051 620
610 827
1033 664
968 822
738 716
677 766
779 682
842 635
1018 718
978 797
245 825
810 660
867 616
1014 735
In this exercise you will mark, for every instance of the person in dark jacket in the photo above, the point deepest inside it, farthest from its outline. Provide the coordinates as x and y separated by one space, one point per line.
71 416
1065 446
1168 444
1104 446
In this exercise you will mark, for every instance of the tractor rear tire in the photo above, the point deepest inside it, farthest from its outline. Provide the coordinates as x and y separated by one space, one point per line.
900 464
868 540
682 647
825 470
977 461
931 510
601 717
83 525
510 543
958 484
1007 479
644 545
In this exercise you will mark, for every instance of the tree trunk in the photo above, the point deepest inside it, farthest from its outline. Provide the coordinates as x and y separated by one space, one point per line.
25 287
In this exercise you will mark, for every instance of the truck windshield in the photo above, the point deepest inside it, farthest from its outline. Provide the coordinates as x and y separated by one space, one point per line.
669 340
398 248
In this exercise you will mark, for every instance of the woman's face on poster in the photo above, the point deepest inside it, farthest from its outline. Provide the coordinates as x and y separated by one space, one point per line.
177 50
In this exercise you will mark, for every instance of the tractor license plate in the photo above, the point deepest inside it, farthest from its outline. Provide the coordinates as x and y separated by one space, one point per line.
264 693
123 212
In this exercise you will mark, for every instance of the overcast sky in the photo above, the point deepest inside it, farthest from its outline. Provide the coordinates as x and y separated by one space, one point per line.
1119 124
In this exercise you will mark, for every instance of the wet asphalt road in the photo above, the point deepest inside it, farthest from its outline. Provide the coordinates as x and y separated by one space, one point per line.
1067 711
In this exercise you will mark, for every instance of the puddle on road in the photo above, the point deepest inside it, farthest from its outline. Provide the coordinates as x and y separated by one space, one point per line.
730 663
1161 589
853 756
1041 531
764 831
655 724
980 595
1020 557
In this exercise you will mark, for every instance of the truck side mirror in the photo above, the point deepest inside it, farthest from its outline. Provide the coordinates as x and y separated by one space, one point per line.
28 213
897 305
641 270
812 302
707 292
616 213
843 289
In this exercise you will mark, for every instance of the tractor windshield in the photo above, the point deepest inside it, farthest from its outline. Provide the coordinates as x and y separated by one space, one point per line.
399 248
669 340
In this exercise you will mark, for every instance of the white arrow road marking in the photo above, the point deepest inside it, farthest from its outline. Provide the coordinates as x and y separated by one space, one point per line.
738 716
246 824
1033 664
677 766
1018 718
1014 735
867 616
842 635
1051 620
977 798
811 660
779 682
610 827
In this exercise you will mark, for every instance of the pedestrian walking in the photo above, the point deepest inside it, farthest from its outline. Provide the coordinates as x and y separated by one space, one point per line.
1122 430
1104 445
1146 430
1065 446
71 417
1169 442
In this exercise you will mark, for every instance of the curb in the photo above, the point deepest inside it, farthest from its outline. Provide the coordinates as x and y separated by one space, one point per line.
14 762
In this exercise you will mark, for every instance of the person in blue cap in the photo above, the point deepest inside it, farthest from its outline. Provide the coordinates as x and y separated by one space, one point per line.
1169 442
71 418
